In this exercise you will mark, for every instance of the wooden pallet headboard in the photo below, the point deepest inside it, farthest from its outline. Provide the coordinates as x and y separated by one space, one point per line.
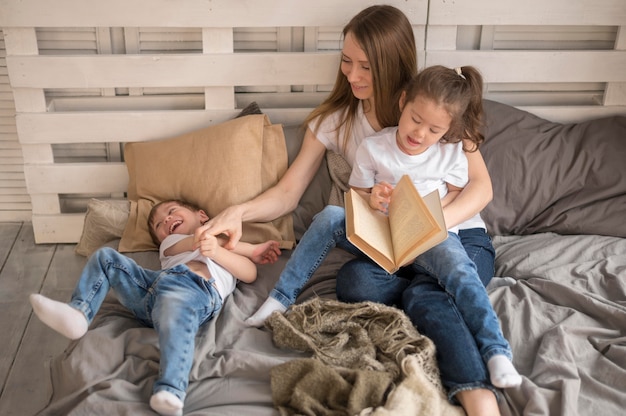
93 75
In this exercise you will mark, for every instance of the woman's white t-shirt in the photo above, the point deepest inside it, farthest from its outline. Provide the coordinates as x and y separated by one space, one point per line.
333 140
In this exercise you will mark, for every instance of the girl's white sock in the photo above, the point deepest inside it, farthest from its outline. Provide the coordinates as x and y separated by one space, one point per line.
502 372
269 306
166 404
59 316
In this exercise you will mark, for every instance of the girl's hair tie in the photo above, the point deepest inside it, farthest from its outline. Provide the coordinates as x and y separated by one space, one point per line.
459 72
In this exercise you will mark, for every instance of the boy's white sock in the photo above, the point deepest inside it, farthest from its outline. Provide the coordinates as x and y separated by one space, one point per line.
166 404
270 305
502 372
59 316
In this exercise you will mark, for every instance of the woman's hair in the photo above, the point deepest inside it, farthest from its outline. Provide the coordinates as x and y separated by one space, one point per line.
460 92
152 213
386 36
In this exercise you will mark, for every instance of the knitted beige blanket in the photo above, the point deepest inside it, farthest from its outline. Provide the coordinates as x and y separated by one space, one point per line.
360 352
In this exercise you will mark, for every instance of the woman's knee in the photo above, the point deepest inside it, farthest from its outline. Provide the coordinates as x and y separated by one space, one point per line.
330 216
347 279
361 280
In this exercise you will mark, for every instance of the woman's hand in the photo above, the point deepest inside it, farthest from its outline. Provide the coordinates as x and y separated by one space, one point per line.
227 222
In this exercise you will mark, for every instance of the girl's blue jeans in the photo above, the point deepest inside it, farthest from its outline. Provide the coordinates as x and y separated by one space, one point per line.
446 300
443 292
175 302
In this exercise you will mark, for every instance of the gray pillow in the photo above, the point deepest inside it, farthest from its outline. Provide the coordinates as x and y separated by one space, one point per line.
552 177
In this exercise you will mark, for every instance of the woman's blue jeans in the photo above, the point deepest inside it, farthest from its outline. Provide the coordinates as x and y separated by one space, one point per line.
434 292
327 230
175 302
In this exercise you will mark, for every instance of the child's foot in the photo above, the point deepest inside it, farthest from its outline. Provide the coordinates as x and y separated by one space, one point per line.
269 306
166 404
59 316
502 372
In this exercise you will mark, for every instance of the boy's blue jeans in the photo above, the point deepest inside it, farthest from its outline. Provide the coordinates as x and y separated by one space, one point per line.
175 302
445 298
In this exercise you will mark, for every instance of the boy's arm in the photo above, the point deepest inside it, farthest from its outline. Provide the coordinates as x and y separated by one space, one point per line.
261 253
239 266
186 244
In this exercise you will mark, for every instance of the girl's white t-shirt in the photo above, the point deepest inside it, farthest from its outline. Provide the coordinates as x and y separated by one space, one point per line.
380 159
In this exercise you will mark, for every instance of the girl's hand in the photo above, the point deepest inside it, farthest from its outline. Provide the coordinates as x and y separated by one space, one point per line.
265 253
380 196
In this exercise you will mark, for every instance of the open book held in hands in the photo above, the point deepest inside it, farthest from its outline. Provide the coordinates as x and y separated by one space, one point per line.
413 225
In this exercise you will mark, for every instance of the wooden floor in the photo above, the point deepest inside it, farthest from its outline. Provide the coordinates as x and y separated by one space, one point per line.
26 344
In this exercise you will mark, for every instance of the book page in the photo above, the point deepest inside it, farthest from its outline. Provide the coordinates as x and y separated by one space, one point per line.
370 225
410 219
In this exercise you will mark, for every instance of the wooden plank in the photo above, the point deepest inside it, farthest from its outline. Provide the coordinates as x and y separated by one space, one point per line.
9 231
172 70
218 40
58 228
76 178
23 273
538 66
616 91
528 12
130 126
195 13
574 114
27 388
296 68
17 215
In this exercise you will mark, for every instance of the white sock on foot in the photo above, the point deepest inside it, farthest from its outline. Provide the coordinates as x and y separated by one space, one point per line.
166 404
59 316
270 305
502 372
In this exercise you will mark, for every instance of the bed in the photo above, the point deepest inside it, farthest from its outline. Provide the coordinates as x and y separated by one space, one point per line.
559 292
555 146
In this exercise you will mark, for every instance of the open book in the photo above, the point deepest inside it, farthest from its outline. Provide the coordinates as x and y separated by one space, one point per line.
412 226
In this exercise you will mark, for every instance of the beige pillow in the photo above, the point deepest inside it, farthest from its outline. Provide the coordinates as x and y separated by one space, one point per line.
214 168
104 221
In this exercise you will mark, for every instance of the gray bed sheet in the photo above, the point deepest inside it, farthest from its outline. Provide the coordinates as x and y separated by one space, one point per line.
111 370
565 317
562 305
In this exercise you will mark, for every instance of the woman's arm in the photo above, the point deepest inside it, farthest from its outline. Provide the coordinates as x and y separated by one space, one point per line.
453 192
475 196
276 201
